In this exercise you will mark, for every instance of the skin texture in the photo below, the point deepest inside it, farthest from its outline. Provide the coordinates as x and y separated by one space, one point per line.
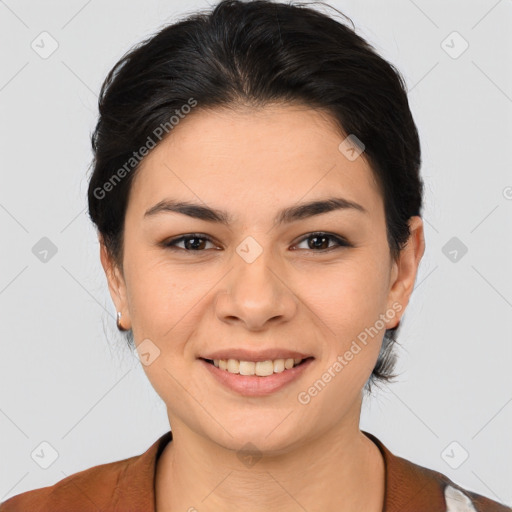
252 163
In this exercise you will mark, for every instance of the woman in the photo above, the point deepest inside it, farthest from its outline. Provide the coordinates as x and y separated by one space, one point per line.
258 201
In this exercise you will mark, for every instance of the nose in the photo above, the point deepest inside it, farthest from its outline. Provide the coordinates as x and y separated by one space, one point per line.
255 294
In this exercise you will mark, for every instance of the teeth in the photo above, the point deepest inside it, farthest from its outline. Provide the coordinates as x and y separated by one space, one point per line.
279 365
246 368
264 368
260 368
234 366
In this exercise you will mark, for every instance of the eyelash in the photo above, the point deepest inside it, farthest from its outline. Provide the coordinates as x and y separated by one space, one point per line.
340 242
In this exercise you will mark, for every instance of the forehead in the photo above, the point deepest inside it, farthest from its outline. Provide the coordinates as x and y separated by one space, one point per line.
253 159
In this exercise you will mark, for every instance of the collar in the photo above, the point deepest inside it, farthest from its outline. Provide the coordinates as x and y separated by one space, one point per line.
408 486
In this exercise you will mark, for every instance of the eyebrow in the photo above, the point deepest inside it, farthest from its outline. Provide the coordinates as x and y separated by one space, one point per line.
288 215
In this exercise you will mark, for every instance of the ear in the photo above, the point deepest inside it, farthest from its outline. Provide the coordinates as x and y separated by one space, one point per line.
404 270
116 284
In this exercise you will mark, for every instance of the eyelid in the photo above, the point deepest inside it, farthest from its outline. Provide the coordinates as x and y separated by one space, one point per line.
171 243
339 241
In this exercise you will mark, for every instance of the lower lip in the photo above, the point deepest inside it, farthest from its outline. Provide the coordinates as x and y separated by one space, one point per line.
253 385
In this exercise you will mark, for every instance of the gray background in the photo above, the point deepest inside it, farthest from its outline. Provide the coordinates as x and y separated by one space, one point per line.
66 377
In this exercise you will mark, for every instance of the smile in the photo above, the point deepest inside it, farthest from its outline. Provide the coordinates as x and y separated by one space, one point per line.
255 378
259 368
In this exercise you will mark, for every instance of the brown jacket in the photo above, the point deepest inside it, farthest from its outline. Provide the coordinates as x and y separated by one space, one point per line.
128 486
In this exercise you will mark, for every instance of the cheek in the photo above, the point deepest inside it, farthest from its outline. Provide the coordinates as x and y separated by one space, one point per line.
158 293
350 310
348 298
167 306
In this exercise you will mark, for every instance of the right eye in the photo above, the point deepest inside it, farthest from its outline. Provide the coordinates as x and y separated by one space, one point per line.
196 244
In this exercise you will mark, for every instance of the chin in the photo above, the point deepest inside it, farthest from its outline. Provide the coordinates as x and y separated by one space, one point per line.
257 436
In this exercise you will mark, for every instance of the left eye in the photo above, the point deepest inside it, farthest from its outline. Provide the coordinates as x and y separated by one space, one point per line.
196 242
321 239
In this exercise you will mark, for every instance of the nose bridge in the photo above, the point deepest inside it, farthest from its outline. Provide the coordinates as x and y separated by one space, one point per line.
253 270
255 290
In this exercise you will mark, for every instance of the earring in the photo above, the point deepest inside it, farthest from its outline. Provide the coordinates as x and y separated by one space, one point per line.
119 326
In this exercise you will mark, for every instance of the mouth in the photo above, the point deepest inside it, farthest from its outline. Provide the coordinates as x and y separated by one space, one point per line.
260 378
257 368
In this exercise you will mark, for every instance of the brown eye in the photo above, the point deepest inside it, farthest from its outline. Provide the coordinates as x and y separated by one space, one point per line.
320 241
193 242
316 242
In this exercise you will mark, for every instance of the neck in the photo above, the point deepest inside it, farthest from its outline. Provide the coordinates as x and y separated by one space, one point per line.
340 470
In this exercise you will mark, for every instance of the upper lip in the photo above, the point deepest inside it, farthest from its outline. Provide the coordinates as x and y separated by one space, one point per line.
250 355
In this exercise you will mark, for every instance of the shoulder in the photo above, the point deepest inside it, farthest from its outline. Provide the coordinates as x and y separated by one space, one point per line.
126 485
459 499
410 486
90 489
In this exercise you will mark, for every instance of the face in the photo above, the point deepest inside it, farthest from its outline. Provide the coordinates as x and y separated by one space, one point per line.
313 282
